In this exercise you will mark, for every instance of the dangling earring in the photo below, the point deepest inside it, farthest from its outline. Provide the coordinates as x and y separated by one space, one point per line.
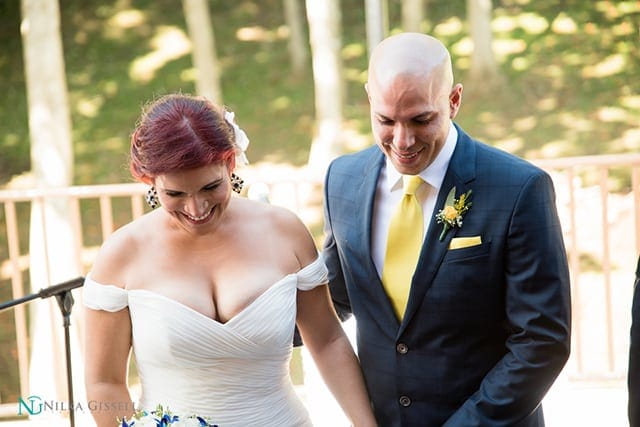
152 198
236 183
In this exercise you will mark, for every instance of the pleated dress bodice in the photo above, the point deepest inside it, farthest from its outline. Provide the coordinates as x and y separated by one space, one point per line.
236 373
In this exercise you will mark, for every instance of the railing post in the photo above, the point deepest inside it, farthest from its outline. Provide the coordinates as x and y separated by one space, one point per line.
606 263
18 292
574 267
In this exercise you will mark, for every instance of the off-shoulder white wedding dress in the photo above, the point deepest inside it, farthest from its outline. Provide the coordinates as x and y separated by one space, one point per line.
236 373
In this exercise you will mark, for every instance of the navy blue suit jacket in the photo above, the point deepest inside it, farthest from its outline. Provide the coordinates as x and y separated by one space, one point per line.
487 328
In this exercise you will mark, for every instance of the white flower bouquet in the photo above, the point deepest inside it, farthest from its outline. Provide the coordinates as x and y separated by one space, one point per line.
162 417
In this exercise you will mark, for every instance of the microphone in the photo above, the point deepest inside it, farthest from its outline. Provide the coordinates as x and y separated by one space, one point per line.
258 191
62 287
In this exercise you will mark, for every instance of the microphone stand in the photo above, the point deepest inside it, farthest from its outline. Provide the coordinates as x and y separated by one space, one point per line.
62 292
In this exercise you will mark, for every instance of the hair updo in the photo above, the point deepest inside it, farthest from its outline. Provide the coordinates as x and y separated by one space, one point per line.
179 132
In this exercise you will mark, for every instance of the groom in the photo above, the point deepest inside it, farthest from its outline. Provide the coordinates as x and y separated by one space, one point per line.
464 318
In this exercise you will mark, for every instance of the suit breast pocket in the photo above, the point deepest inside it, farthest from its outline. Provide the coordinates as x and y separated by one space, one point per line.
467 253
467 276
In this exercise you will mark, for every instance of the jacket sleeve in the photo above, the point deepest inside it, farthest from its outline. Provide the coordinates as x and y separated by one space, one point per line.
331 257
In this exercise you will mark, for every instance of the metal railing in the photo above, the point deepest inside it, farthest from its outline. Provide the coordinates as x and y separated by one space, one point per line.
600 185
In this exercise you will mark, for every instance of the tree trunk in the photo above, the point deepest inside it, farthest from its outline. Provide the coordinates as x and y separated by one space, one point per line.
324 32
297 41
376 12
484 71
53 255
412 15
203 49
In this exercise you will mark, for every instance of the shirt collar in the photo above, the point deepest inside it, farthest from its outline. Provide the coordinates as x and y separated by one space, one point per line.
432 174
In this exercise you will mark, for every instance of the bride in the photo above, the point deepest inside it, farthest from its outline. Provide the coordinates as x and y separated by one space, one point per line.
207 289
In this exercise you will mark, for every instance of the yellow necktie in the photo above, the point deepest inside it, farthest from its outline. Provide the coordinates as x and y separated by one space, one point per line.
403 245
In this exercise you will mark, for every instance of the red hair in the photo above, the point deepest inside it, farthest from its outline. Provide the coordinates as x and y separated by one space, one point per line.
177 132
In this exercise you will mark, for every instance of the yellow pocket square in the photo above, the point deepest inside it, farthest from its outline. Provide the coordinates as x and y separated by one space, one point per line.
464 242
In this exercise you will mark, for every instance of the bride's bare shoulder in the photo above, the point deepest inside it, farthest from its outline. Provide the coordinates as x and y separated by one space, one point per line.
283 222
266 214
121 249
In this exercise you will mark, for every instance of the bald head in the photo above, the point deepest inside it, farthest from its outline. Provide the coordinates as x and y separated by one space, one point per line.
413 54
412 99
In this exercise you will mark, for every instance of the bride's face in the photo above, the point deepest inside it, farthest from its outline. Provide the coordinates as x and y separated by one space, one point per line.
196 198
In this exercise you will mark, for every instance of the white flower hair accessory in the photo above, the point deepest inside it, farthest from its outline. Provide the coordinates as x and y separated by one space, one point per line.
241 139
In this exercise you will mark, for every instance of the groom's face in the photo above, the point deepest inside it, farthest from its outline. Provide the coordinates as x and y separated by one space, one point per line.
410 118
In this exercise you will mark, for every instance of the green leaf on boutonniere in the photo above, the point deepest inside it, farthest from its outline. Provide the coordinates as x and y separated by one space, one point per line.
453 211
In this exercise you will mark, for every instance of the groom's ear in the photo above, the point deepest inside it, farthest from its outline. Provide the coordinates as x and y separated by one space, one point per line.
455 99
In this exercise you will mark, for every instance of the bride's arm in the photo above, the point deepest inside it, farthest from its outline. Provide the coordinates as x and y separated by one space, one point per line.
322 332
108 345
107 338
333 354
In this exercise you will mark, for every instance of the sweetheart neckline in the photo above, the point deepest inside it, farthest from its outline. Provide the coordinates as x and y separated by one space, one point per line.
119 291
232 318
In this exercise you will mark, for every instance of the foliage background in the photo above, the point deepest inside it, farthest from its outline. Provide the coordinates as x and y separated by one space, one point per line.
570 72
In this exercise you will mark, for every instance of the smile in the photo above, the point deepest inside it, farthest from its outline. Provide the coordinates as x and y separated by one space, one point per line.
201 218
407 156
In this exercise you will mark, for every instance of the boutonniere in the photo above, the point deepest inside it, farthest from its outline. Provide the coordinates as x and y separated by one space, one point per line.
453 211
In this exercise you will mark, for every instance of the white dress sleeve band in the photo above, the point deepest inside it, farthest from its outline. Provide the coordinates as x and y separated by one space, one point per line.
103 297
312 275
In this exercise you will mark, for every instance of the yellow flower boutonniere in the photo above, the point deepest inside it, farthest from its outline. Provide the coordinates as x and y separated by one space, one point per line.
453 211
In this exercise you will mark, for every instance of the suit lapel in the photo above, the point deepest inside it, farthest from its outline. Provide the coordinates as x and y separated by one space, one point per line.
365 198
460 173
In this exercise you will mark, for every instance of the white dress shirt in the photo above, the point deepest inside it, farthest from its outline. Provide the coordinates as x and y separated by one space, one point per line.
389 193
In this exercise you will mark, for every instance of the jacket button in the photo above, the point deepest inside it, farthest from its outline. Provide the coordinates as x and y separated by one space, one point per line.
402 348
405 401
